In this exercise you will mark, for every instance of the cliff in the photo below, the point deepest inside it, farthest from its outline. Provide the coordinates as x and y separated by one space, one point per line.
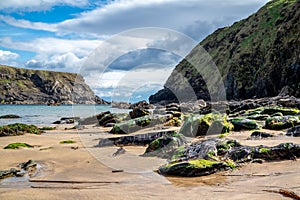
24 86
256 57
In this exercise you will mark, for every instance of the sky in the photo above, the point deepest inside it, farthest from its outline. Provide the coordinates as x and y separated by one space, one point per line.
125 49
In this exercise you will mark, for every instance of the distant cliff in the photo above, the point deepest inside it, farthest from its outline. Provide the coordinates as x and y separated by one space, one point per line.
257 57
24 86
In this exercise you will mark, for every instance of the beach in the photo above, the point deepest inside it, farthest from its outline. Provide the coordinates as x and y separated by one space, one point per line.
73 171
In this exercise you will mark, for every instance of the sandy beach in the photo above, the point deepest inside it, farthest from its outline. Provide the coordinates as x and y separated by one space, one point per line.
82 171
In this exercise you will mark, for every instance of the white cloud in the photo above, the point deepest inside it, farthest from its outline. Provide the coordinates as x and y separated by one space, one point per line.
37 5
174 14
53 53
7 55
28 24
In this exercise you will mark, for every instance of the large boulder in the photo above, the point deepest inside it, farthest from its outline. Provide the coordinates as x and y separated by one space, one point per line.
165 146
212 155
281 122
244 124
200 125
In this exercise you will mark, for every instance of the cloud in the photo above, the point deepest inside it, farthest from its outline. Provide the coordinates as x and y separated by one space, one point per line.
38 5
28 24
174 14
125 85
8 55
65 62
53 53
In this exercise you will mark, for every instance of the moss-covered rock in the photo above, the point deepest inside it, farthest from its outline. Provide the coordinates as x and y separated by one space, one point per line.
244 124
17 145
200 125
165 146
281 122
199 167
138 123
212 155
9 116
18 129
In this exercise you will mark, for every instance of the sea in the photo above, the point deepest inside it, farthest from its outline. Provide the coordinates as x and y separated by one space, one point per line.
44 115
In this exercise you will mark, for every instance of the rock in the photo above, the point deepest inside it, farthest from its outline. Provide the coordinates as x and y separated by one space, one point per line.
9 117
200 125
192 168
295 131
8 173
281 122
29 165
120 151
284 111
26 86
165 146
141 105
260 135
139 139
18 129
244 124
258 117
213 155
67 120
138 112
138 123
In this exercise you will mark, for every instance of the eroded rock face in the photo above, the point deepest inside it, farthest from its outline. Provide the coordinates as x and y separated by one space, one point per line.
24 86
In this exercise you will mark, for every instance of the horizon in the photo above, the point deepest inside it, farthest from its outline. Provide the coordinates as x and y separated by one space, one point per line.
61 36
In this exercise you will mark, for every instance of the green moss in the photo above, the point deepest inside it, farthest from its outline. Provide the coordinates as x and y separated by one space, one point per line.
17 145
178 153
231 164
264 150
202 163
67 142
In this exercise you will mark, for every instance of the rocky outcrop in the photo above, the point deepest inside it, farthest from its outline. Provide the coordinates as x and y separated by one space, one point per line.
24 86
213 155
257 57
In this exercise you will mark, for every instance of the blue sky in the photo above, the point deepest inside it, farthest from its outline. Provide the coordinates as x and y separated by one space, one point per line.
60 35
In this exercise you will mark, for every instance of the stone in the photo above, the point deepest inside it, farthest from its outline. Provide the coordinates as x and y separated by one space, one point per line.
165 146
260 135
281 122
213 155
199 125
138 112
139 139
9 117
244 124
295 131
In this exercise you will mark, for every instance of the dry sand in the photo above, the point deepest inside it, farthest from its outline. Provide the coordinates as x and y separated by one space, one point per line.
92 169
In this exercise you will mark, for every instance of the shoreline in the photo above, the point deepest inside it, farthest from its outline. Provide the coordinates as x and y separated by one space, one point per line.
81 165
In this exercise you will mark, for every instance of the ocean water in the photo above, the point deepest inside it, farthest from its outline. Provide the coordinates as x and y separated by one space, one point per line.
43 115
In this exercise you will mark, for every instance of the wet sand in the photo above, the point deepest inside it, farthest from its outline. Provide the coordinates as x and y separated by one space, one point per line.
87 171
